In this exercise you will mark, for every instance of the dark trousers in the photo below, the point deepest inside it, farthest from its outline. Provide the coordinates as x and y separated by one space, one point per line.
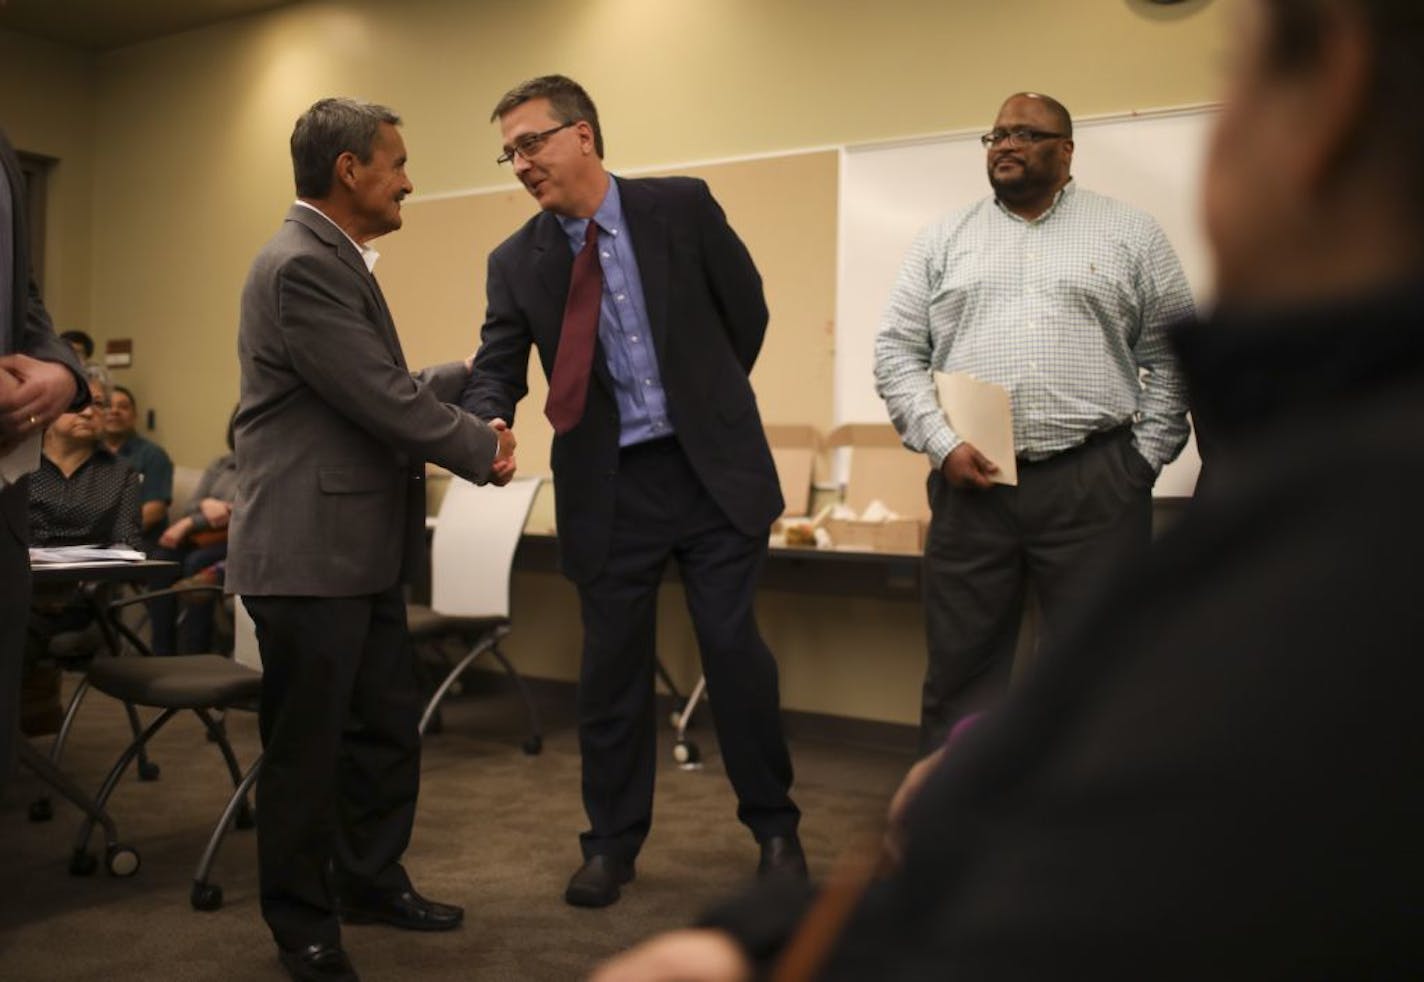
664 512
1080 510
341 755
14 612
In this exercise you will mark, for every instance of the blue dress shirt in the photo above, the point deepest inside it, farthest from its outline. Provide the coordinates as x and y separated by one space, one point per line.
623 326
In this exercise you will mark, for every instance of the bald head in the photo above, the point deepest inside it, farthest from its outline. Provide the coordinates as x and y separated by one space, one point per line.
1062 121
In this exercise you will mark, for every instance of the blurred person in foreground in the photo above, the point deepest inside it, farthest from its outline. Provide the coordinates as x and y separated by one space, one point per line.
1217 773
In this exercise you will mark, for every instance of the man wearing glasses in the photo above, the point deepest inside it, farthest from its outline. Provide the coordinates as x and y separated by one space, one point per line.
648 314
1060 296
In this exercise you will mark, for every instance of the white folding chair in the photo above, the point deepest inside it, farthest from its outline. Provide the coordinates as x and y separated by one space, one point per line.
471 558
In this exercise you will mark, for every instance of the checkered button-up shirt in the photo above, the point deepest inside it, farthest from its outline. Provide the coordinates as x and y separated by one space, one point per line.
1067 312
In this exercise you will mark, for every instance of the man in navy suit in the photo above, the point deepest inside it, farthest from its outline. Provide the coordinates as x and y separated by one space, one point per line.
648 315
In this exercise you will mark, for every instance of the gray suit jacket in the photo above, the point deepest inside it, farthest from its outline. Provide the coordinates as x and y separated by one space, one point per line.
332 429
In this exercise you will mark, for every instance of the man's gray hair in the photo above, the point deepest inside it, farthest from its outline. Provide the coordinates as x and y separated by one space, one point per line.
328 129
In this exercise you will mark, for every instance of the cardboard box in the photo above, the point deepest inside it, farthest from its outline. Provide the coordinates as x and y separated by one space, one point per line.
881 469
794 448
897 535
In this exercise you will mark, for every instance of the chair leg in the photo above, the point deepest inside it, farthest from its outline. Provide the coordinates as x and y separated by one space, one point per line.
86 827
57 779
40 809
217 733
205 895
685 751
427 681
452 676
535 743
56 750
147 769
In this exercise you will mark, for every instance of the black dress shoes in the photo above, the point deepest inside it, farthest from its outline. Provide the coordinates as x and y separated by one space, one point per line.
318 963
781 855
597 881
400 908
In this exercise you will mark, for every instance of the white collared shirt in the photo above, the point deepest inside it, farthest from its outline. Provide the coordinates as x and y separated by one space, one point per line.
368 255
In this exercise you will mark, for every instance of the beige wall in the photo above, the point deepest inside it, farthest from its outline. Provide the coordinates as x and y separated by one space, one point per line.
191 171
47 100
182 143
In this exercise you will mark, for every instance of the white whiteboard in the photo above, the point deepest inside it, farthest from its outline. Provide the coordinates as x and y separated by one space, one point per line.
889 191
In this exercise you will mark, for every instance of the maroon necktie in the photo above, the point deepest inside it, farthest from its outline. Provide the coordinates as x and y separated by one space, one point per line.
568 384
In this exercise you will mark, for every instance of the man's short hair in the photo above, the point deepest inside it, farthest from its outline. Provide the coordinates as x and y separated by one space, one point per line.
125 390
568 102
80 338
328 129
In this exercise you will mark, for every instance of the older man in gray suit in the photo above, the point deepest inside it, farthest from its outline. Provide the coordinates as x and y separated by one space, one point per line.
332 433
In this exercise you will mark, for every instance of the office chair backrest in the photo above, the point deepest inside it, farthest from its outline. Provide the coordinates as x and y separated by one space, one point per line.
473 546
185 482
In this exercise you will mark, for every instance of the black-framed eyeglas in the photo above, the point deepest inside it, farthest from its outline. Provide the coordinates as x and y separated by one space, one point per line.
1019 136
530 143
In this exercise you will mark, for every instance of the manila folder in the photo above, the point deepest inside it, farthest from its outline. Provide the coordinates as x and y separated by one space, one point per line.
979 412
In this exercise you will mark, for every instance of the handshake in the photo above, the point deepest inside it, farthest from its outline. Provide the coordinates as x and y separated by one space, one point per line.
503 470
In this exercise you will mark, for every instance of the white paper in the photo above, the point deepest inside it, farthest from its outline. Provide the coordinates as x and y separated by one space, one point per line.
20 461
980 413
86 555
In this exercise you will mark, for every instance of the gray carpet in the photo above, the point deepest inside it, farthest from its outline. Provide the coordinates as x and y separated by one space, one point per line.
497 833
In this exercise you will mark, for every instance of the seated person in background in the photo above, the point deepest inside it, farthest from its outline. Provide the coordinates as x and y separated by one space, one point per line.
148 458
197 540
1218 770
82 344
80 495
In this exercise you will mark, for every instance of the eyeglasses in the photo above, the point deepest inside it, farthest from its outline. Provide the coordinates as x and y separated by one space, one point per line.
530 143
1019 136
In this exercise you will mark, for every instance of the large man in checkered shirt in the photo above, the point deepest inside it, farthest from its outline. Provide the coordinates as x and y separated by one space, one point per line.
1062 296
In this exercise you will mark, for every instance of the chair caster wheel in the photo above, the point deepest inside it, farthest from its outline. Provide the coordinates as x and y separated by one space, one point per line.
82 863
41 810
533 745
206 896
148 770
686 754
245 818
121 860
